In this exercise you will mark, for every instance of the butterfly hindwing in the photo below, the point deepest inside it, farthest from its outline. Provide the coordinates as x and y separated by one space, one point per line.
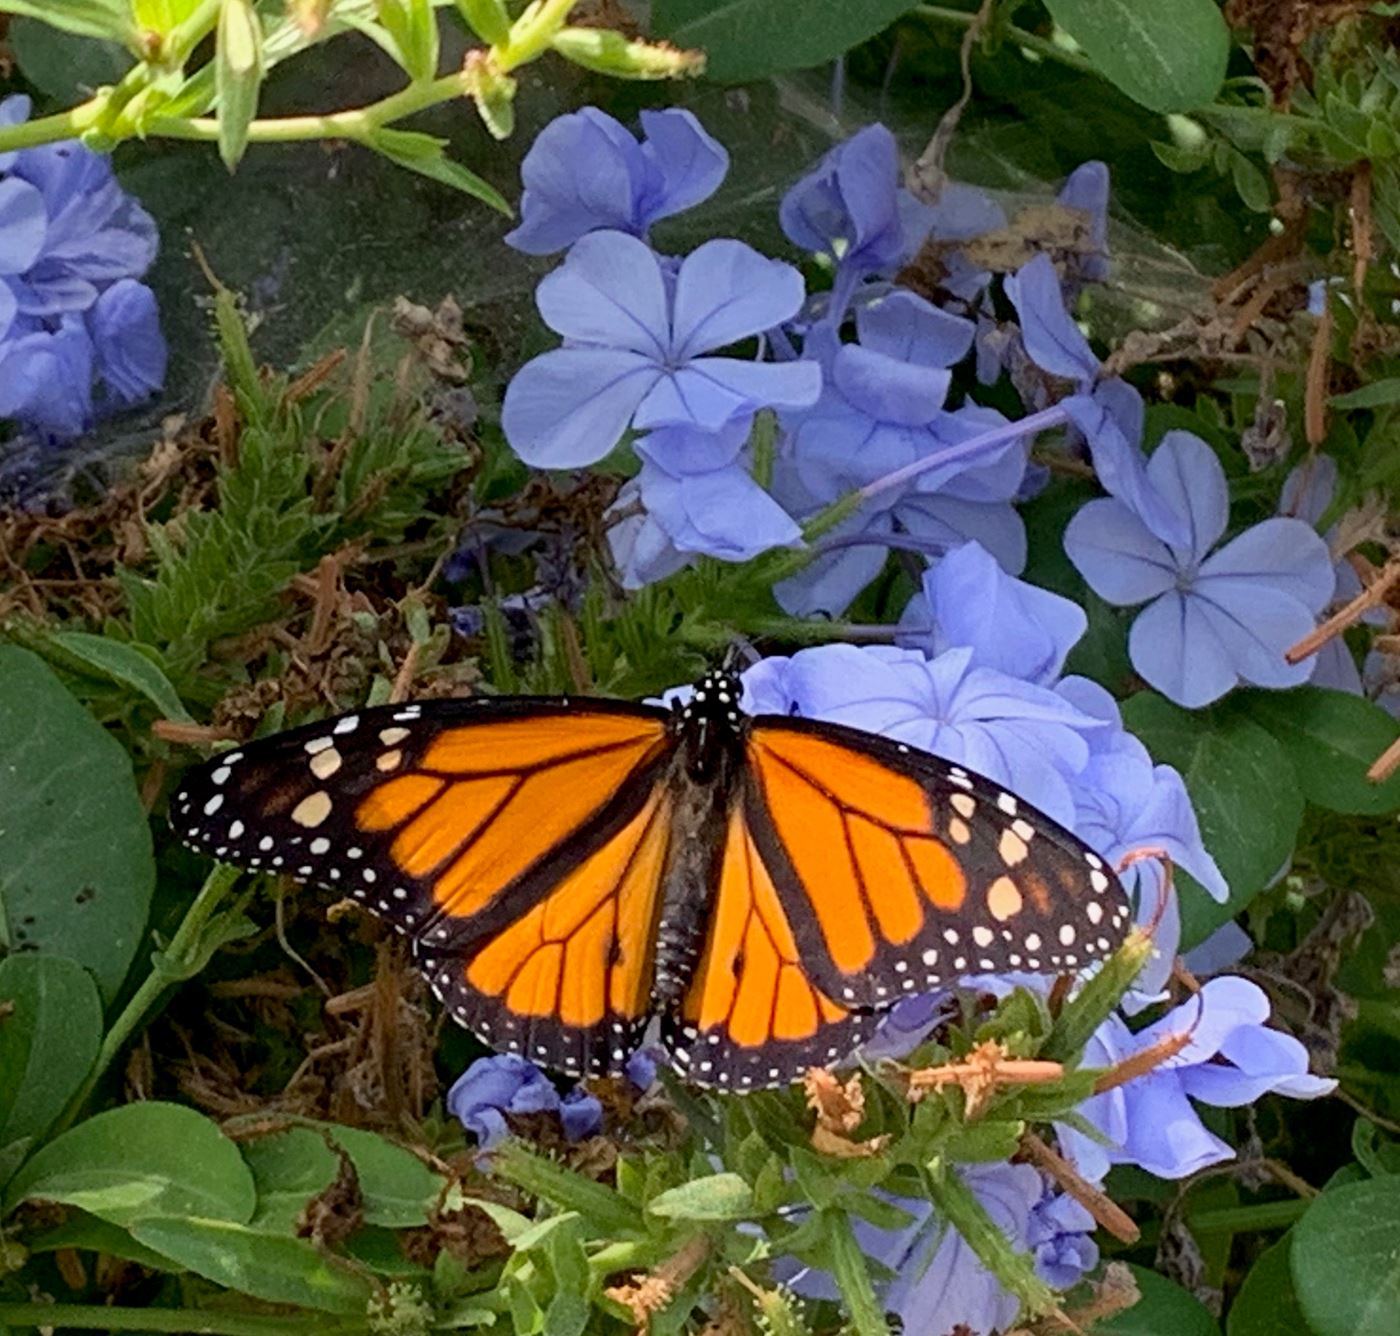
901 871
752 1016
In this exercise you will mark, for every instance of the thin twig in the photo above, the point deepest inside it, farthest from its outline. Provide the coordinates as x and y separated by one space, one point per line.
1371 597
1098 1203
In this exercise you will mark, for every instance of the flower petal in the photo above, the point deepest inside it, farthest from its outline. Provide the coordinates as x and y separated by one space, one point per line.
568 408
905 326
1053 340
949 521
1285 554
608 291
1174 645
1185 470
709 391
723 513
887 389
1254 624
691 164
727 291
1122 561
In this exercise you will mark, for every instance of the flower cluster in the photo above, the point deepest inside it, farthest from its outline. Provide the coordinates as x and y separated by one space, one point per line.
865 382
79 333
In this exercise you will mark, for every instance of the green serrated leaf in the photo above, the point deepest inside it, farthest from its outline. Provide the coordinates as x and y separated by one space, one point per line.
718 1197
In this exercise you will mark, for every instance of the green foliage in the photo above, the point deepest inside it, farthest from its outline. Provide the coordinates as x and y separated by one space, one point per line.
76 867
1344 1259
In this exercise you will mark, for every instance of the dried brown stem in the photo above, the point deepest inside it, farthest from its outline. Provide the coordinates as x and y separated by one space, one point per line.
1099 1204
1371 597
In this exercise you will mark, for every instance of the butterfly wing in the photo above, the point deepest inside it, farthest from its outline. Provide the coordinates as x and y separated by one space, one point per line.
520 843
752 1016
900 871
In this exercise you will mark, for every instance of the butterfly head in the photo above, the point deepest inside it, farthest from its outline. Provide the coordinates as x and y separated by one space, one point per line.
711 721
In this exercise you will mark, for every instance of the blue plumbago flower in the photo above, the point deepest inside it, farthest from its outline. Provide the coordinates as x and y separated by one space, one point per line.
1123 802
506 1083
1215 618
636 345
1232 1059
852 208
1109 414
641 548
72 246
586 172
1010 625
1060 1234
1024 736
1086 189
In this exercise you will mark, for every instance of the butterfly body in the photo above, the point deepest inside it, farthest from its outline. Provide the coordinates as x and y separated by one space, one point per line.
566 870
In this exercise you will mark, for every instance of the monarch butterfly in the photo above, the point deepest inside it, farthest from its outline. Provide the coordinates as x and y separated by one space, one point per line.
564 869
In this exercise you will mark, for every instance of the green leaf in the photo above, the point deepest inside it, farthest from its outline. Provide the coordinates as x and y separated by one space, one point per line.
140 1161
1165 1309
50 1031
289 1168
121 663
61 65
1245 792
852 1276
718 1197
238 76
1332 738
266 1266
412 26
397 1187
1166 57
162 16
1345 1258
1266 1304
1377 394
87 18
751 39
81 1230
76 869
426 155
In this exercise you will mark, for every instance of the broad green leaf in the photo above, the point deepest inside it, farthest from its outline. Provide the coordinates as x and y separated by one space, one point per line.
76 869
124 664
1168 57
140 1161
267 1266
81 1230
1245 792
397 1187
1266 1304
87 18
1332 738
718 1197
289 1168
1375 395
1345 1258
751 39
50 1030
1165 1309
62 66
238 76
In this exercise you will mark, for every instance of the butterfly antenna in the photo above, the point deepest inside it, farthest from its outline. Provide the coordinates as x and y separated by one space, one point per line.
739 654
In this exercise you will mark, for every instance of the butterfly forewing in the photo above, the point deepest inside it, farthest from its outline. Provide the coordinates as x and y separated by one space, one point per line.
455 820
901 872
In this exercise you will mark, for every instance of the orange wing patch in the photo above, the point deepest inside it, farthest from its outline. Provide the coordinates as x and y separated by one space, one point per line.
486 802
861 838
586 951
752 1017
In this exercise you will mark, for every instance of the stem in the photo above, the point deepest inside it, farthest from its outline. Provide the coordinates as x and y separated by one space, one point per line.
1042 46
357 125
167 967
99 1317
1054 416
52 129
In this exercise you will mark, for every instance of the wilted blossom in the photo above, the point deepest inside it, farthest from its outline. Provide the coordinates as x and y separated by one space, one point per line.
1231 1059
493 1087
638 340
1215 617
1060 1234
79 335
585 172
